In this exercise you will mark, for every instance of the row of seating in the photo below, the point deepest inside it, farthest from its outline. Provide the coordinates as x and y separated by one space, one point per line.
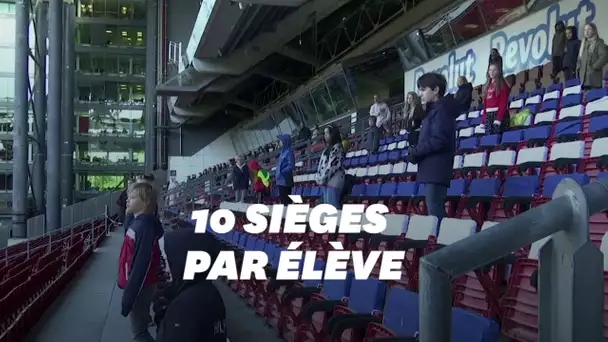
34 272
310 310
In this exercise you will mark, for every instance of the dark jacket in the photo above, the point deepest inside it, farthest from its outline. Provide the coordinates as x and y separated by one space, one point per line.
464 97
373 139
129 218
573 46
196 310
127 222
122 200
436 147
559 44
139 258
413 123
240 177
304 133
285 163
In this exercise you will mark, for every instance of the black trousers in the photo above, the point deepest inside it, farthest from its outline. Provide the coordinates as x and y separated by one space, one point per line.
557 62
569 73
491 128
284 192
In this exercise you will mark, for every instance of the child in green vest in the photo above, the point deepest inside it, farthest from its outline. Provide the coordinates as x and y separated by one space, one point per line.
260 179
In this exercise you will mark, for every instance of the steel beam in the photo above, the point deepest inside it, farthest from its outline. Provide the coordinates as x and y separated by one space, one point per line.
38 169
281 77
150 109
53 174
406 22
287 3
297 55
266 44
67 119
20 125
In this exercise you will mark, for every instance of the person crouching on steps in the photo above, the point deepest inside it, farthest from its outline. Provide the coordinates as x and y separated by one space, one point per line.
140 259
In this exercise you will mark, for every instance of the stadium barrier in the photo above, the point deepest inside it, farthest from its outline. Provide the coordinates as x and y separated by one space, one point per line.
571 276
77 212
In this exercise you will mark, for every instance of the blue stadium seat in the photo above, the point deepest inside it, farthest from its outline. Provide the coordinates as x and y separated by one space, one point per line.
521 187
358 190
551 182
537 134
372 190
388 189
407 189
598 126
489 141
468 144
512 138
484 187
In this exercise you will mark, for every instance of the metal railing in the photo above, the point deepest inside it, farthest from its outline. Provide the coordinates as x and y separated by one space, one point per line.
571 277
77 213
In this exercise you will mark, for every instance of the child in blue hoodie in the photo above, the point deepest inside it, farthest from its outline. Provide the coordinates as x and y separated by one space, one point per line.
139 259
284 171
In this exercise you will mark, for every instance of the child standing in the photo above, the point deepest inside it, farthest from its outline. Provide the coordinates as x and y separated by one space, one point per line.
260 179
140 259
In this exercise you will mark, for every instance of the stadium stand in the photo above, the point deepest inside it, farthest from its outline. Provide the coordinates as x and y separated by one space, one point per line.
35 272
495 177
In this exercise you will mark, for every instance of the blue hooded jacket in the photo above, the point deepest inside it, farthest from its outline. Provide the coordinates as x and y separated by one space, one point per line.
286 163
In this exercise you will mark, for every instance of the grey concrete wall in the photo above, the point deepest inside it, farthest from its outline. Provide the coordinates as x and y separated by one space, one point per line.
181 15
194 138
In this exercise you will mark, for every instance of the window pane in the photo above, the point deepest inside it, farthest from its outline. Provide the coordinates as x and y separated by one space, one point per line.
439 38
6 121
136 37
503 13
138 93
112 65
340 95
7 60
291 112
83 34
323 103
282 122
139 66
111 10
308 109
7 88
124 65
468 25
139 10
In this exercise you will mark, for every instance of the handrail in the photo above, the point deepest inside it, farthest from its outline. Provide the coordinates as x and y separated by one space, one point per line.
571 278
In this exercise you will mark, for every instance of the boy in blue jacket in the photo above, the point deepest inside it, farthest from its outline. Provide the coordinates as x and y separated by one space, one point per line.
139 259
284 171
436 146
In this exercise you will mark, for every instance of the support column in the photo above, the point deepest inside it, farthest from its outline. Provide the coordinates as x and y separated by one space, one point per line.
53 170
150 113
20 125
67 118
38 172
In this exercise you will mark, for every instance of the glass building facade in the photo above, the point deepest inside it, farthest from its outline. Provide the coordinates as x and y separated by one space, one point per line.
109 94
109 103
